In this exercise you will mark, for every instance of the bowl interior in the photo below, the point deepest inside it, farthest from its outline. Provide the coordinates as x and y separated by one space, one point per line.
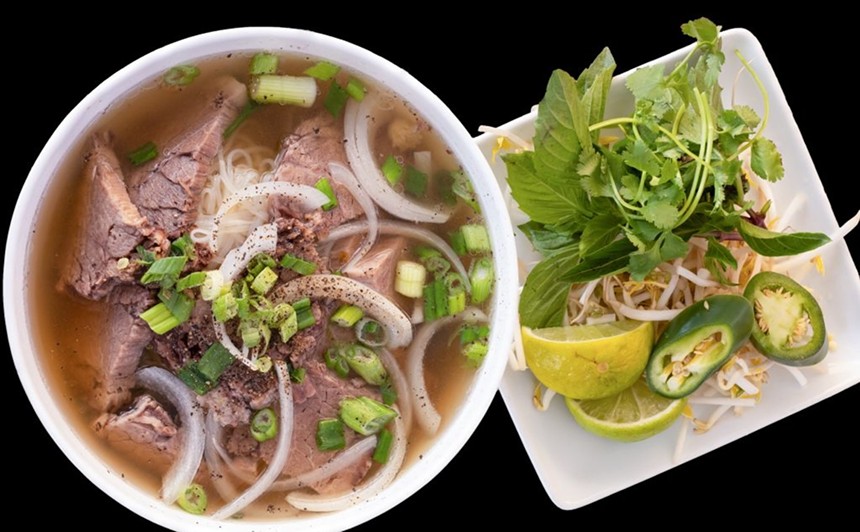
77 446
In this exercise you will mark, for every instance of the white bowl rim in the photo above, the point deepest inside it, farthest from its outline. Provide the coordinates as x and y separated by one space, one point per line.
36 385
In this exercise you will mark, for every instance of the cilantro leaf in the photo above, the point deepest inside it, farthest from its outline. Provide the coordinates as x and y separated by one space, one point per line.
646 83
673 247
662 214
643 262
702 29
639 156
766 160
749 116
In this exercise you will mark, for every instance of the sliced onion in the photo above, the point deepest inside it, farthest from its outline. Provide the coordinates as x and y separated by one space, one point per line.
325 503
308 199
401 385
647 314
391 227
226 490
342 175
337 464
357 126
181 473
426 414
263 239
353 292
282 451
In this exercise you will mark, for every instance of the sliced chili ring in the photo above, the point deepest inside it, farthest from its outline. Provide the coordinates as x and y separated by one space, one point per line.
697 343
789 325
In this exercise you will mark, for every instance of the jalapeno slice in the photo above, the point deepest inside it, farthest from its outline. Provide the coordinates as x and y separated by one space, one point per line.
697 343
789 325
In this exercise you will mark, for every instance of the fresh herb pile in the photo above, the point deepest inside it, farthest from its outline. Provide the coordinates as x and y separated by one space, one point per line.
600 205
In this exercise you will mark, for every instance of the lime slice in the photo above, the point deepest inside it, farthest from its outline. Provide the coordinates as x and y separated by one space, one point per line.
589 361
630 415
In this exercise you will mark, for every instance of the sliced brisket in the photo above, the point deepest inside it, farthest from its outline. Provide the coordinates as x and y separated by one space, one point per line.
147 422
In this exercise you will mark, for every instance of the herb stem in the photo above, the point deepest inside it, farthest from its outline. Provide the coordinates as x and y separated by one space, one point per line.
765 101
708 129
612 122
676 124
617 196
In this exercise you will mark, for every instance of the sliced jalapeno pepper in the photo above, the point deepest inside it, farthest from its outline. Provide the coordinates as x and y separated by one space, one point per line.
789 326
697 343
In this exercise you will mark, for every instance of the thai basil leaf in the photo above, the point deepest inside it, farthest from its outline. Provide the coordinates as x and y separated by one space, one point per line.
771 244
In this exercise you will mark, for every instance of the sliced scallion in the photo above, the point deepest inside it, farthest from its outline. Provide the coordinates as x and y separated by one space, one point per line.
214 361
164 268
324 186
335 361
193 499
247 110
389 394
371 332
336 99
304 313
225 307
300 266
347 315
323 70
192 378
356 89
143 154
409 278
366 363
475 353
364 415
383 446
481 279
415 182
330 436
476 238
456 293
458 243
177 303
181 75
264 425
297 375
292 90
263 63
192 280
159 318
392 170
264 281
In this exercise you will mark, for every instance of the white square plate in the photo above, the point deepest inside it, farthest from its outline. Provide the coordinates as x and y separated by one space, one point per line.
577 468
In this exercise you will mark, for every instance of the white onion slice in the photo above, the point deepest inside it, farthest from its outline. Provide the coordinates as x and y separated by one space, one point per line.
226 490
401 385
647 314
308 199
282 451
391 227
425 413
325 503
343 460
353 292
263 239
181 473
342 175
358 130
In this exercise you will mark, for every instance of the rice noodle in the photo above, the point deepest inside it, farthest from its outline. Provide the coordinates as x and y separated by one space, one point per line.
327 503
344 176
337 464
391 227
358 130
353 292
181 473
282 451
647 314
211 454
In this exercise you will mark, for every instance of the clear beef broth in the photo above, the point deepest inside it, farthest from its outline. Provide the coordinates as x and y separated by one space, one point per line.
68 328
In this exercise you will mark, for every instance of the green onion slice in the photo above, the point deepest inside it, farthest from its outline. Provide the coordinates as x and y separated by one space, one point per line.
264 425
181 75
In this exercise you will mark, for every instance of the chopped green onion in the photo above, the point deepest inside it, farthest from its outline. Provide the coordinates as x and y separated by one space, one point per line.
458 243
347 315
476 238
300 266
253 333
192 378
213 286
456 293
435 300
335 361
181 75
426 252
214 361
264 425
260 261
293 90
389 394
145 153
304 313
323 70
475 353
438 266
444 188
225 307
177 303
364 415
383 446
330 435
288 326
247 110
183 246
144 256
263 63
336 99
192 280
364 361
410 278
415 182
356 89
462 187
370 332
470 333
160 319
193 499
163 268
264 281
263 364
324 186
481 278
392 170
122 263
297 375
302 304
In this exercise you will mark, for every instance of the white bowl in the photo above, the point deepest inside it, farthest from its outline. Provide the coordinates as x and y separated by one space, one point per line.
53 413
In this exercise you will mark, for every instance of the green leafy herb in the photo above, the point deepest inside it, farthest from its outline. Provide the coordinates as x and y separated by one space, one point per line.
772 244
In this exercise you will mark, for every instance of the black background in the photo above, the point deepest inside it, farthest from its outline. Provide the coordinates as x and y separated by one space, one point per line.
489 68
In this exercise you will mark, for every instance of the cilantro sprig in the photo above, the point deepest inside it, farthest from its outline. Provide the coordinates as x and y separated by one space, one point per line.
603 205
